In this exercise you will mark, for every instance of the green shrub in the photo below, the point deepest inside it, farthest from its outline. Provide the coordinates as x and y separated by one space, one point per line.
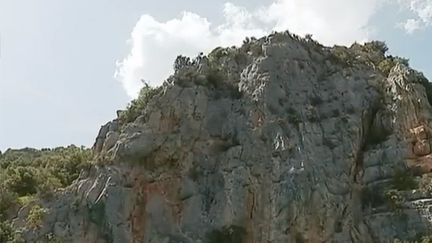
9 234
218 80
6 231
181 62
403 180
69 164
342 56
26 200
217 53
376 46
215 77
7 200
47 184
22 157
22 180
35 217
28 174
425 184
136 106
386 65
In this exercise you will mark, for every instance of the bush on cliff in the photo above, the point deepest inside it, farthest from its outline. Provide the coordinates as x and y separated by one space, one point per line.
136 106
30 173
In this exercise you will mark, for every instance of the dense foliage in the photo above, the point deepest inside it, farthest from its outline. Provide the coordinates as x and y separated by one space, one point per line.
28 174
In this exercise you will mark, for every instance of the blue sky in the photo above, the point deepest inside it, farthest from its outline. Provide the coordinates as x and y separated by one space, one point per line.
67 66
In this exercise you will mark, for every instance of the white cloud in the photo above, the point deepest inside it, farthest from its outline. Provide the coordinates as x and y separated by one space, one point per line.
422 9
411 25
154 44
331 21
239 23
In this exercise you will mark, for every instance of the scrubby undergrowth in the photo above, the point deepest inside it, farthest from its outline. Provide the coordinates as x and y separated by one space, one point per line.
29 175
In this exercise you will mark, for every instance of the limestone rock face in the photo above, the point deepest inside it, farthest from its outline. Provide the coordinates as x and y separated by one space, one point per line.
292 146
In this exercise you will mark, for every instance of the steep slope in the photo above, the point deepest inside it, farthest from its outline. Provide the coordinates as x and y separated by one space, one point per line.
280 140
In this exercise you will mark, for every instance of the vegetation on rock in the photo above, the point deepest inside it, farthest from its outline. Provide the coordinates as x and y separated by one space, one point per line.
373 53
28 175
404 180
35 216
240 132
29 171
136 106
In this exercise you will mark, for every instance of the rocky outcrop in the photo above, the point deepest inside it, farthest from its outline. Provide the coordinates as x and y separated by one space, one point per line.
107 137
282 142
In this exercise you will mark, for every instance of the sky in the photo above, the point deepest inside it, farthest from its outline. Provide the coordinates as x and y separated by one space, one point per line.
66 67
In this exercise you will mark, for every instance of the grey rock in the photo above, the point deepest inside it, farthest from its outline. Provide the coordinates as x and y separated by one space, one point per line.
306 154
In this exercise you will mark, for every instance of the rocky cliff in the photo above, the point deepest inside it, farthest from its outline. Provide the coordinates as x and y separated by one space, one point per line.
279 140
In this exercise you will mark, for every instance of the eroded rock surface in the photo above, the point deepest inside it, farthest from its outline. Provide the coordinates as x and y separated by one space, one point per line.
292 146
